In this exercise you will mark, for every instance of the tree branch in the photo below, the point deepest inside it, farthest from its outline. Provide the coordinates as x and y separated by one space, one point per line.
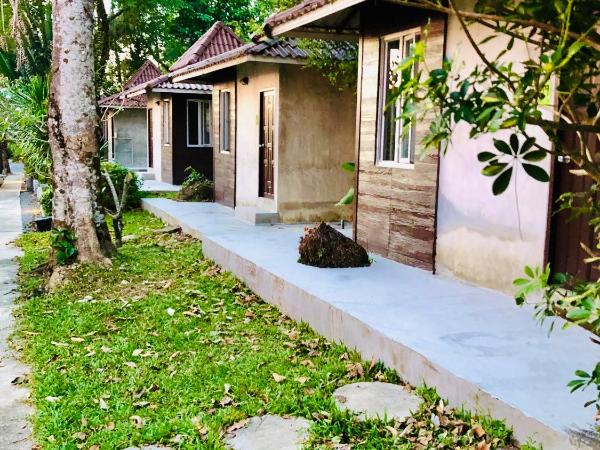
593 40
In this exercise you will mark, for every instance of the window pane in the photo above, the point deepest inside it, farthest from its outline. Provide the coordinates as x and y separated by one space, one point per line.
391 126
192 122
224 115
166 123
206 123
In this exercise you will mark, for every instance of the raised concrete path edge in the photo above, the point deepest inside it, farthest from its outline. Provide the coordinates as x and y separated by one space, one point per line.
340 326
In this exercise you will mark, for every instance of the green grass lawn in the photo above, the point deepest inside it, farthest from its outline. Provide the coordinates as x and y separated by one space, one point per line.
165 348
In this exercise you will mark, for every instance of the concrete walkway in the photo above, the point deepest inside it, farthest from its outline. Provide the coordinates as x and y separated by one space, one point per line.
14 411
473 344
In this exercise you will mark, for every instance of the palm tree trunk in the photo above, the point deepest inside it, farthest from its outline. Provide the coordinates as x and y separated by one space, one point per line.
72 124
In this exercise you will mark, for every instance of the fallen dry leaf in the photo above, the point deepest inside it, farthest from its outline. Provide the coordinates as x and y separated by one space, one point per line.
392 430
226 401
237 425
137 421
102 403
478 430
110 426
80 435
278 378
302 380
51 399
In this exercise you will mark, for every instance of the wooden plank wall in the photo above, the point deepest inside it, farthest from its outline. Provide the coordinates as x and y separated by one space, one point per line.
396 206
224 161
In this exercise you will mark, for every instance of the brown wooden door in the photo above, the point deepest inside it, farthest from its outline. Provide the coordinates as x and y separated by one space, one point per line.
150 140
267 146
566 253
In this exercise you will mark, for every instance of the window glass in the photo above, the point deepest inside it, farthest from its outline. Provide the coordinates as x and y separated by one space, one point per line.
394 146
205 123
224 116
192 122
166 122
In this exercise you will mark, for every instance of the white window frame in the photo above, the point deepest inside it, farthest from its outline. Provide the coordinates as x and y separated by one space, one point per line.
201 124
227 119
398 161
166 122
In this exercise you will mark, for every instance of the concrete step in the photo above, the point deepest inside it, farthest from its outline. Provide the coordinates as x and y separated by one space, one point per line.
256 216
146 175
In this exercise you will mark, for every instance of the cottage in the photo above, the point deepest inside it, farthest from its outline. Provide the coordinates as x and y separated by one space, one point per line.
433 212
178 127
281 131
125 123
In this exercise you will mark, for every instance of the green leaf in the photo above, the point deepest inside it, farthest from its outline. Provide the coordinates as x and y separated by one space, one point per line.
501 183
582 374
527 145
493 169
502 146
485 156
514 143
578 314
521 281
537 155
349 166
536 173
529 272
574 48
347 199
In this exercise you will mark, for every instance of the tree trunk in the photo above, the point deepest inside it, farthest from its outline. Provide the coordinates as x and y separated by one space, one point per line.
5 166
72 123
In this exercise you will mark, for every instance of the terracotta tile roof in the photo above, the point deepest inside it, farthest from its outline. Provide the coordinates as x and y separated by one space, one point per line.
295 12
282 48
201 88
147 72
116 101
218 39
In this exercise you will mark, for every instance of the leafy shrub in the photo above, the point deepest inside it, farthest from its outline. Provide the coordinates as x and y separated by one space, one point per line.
24 115
117 174
196 187
62 241
46 200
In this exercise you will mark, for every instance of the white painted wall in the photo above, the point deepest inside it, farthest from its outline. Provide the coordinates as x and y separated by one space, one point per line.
483 238
156 133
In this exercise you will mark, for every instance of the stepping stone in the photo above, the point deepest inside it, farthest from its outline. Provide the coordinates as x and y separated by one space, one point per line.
270 433
149 447
376 400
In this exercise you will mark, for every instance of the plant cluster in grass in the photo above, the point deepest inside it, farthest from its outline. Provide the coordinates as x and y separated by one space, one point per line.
162 347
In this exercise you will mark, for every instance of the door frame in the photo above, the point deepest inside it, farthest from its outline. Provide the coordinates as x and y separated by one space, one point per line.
261 190
149 137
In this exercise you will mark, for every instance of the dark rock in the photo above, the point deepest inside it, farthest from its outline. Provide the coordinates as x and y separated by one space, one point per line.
323 246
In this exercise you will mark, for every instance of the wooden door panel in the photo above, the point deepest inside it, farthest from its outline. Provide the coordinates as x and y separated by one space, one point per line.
567 233
267 145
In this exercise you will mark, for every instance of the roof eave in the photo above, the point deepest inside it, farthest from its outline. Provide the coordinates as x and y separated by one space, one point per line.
295 25
180 91
200 71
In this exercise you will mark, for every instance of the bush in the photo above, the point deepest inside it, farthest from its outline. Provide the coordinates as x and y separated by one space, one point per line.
118 173
196 187
46 200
